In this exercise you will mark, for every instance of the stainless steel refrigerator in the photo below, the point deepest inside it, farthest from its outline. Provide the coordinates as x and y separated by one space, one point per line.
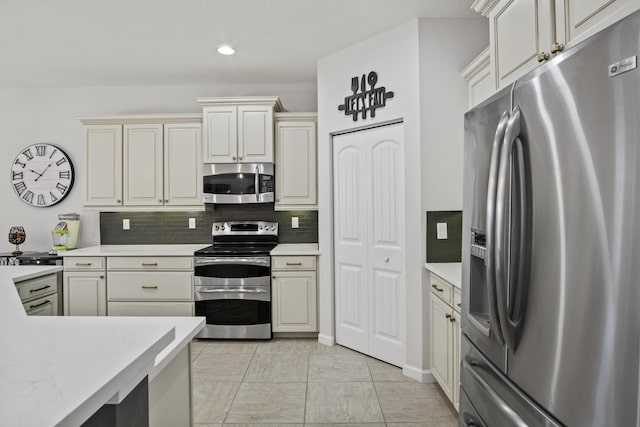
551 242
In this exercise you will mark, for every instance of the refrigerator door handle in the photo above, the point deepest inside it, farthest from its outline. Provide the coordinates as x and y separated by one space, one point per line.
490 259
512 225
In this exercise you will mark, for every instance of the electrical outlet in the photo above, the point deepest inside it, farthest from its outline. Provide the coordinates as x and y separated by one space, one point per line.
192 223
294 222
125 224
441 230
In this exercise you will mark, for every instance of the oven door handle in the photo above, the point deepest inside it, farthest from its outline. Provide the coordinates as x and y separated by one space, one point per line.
233 291
256 183
259 261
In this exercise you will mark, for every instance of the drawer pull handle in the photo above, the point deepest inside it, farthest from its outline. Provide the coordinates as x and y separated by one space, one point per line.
437 288
294 263
83 264
39 289
40 305
149 264
149 286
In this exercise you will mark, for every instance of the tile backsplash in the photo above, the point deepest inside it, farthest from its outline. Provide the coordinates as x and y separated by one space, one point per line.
449 249
173 227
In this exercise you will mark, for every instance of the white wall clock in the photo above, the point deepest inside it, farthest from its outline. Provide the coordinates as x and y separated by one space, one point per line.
42 175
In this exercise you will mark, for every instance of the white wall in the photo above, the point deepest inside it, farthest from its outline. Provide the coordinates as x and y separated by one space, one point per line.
50 115
397 55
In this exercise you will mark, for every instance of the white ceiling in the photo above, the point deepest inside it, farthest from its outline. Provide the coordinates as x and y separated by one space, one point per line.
66 43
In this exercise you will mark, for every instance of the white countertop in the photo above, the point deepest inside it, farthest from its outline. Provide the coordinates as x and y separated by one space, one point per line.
449 271
136 250
296 249
60 370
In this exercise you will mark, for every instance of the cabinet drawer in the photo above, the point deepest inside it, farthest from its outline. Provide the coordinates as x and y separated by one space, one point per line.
45 306
457 299
150 263
149 286
141 308
293 262
38 287
441 288
84 263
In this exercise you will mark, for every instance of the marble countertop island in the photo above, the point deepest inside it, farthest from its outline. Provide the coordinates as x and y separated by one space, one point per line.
60 370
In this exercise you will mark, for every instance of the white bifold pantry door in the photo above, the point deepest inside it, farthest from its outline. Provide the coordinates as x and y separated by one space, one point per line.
369 242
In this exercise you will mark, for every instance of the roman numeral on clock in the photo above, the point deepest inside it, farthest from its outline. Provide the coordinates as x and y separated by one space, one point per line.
53 197
41 150
40 199
18 162
27 153
28 196
61 187
20 187
53 152
61 161
64 174
17 175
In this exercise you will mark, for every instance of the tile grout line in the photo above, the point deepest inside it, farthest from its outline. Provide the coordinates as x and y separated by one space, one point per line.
226 415
375 390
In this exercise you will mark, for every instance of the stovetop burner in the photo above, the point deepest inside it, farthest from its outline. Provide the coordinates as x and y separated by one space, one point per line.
241 238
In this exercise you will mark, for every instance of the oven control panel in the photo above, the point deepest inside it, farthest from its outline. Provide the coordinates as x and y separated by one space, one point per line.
244 228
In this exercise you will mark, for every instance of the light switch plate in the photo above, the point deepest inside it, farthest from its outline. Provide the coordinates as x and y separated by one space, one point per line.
294 222
192 223
441 230
125 224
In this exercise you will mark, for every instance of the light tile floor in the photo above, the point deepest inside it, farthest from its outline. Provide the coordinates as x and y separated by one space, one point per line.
299 382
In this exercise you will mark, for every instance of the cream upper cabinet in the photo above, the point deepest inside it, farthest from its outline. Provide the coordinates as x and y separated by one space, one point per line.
143 161
583 18
296 161
524 33
480 79
103 164
142 165
238 130
182 164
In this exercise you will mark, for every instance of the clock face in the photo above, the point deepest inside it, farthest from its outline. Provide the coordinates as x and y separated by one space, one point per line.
42 175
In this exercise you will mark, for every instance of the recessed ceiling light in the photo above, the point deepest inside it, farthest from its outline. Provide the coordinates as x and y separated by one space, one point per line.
226 50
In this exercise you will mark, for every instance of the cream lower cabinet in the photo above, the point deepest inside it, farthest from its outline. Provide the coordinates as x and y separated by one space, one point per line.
150 286
445 336
294 294
84 286
296 161
39 295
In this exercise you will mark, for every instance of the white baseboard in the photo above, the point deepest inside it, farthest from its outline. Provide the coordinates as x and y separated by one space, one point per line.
326 340
421 375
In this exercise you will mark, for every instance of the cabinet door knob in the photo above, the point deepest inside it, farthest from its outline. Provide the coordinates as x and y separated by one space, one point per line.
386 259
452 319
273 277
448 316
543 56
118 201
166 200
557 47
240 157
234 157
159 200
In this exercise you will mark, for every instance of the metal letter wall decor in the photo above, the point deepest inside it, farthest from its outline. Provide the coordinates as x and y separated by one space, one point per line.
363 100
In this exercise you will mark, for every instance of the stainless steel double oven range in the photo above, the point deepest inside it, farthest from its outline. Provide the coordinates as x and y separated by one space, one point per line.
233 280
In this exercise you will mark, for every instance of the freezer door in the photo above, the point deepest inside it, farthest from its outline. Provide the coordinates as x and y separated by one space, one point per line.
578 353
496 401
478 297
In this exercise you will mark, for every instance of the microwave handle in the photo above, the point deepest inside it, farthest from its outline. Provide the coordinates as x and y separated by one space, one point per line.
257 183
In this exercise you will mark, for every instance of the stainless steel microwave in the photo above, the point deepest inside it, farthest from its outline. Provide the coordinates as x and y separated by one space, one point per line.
238 183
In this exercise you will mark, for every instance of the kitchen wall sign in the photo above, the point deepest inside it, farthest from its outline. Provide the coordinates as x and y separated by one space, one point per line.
42 175
366 97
